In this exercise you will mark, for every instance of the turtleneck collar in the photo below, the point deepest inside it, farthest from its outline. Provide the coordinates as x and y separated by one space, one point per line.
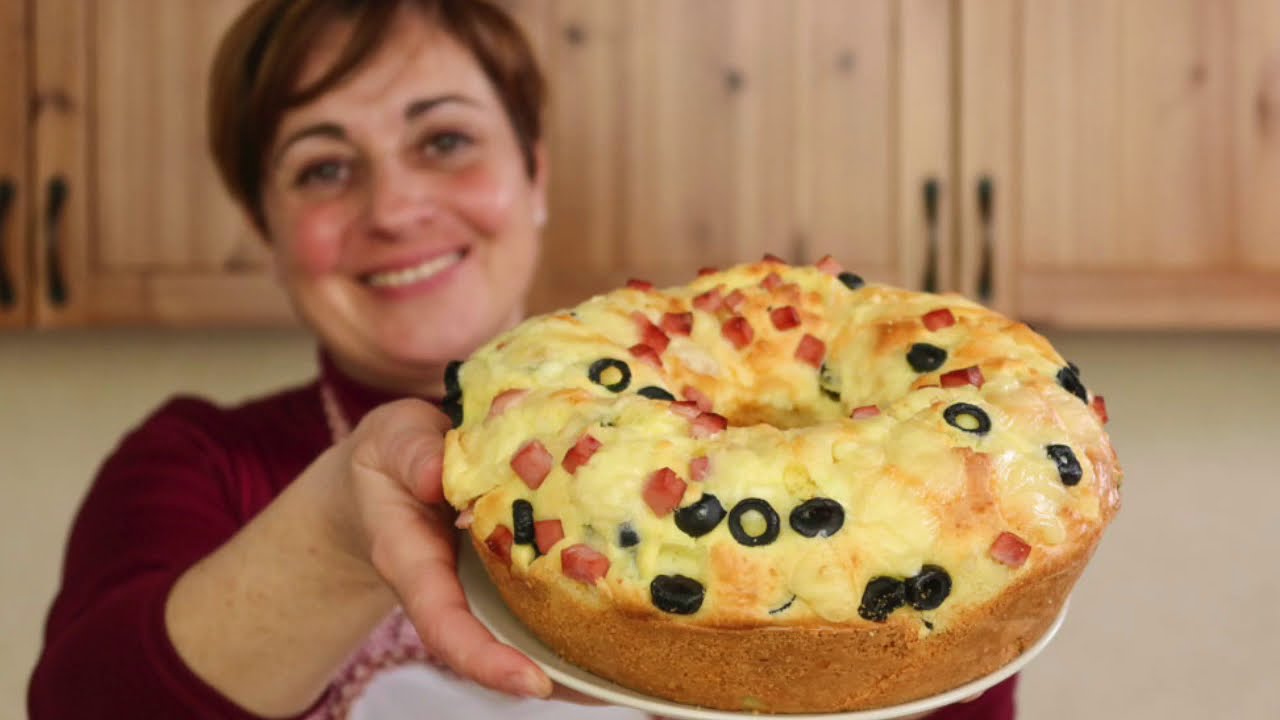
355 398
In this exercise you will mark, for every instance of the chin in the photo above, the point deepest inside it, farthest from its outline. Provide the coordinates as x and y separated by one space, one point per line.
434 337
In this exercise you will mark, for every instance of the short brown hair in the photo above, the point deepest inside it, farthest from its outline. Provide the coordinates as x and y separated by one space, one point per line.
259 61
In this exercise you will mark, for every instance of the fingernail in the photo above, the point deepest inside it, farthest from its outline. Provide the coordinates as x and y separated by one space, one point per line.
530 683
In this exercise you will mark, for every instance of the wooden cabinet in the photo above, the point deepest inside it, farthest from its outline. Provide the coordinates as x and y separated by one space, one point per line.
14 157
1087 163
113 210
145 233
1133 151
686 134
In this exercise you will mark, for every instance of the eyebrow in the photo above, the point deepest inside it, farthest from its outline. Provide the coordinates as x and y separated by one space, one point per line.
415 109
426 105
329 130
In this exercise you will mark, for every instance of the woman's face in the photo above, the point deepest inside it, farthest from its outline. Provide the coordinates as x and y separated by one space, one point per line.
403 219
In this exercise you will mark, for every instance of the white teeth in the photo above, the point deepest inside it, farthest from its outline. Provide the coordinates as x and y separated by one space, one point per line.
408 276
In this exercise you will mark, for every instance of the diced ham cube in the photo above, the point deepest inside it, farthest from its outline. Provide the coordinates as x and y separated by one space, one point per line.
546 533
580 453
583 563
678 323
737 331
647 355
506 400
709 301
663 492
1099 406
709 425
643 285
499 543
771 258
959 378
939 319
532 463
785 318
771 282
734 300
705 271
866 411
699 468
830 266
698 397
686 409
650 334
1010 550
811 350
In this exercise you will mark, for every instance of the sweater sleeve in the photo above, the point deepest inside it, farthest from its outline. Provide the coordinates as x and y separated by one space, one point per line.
164 499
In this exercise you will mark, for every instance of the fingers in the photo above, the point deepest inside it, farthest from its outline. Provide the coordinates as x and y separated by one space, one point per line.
404 440
419 564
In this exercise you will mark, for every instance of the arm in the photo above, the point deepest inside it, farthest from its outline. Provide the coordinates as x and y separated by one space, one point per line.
259 617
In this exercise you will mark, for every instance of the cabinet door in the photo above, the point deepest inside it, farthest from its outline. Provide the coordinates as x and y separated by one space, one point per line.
139 228
873 137
14 190
671 135
689 134
1139 186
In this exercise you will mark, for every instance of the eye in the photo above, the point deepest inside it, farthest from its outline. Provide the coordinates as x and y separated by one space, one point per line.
446 143
322 173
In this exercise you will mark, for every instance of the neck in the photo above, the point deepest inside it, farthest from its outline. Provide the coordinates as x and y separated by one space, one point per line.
425 380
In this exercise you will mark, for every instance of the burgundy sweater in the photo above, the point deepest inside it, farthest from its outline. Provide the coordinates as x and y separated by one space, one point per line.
173 491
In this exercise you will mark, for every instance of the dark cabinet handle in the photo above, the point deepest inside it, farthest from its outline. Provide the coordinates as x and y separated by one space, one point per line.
58 191
932 191
8 296
986 224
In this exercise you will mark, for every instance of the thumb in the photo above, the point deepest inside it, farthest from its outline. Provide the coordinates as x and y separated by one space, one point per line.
404 441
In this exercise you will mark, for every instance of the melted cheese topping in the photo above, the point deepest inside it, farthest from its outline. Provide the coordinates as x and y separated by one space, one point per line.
915 489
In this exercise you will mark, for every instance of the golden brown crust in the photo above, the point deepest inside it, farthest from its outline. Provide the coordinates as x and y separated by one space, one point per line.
809 668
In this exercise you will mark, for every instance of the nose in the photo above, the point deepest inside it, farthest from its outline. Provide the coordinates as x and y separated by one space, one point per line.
399 201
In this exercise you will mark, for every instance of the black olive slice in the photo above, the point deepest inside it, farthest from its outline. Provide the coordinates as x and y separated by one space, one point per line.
851 281
969 418
1069 379
451 384
783 607
882 596
654 392
627 536
828 383
701 517
522 521
819 517
772 522
603 365
1068 466
927 589
452 403
924 357
676 594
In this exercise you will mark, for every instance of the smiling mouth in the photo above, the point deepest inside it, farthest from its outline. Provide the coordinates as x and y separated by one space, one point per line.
418 273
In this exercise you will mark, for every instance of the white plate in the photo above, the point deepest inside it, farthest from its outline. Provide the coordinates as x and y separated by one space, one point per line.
488 606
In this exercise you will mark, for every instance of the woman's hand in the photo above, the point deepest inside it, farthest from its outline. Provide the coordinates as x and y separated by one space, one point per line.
395 517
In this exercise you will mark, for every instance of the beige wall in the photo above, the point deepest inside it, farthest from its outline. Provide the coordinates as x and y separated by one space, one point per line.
65 400
1177 617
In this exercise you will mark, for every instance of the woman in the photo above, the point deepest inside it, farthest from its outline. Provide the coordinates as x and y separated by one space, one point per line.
250 562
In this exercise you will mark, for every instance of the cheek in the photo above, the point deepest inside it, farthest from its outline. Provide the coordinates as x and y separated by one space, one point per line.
489 200
313 243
